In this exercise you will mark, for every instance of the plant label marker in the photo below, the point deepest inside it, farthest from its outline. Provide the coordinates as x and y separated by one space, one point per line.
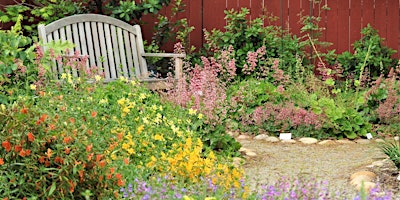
369 136
285 136
398 178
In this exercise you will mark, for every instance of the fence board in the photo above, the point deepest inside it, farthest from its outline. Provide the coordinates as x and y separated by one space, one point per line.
332 24
294 19
381 17
343 24
355 20
393 26
213 14
195 16
273 7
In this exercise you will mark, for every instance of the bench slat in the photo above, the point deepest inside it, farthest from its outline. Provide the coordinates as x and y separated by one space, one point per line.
83 43
135 55
89 42
103 48
117 66
109 47
96 44
129 55
121 48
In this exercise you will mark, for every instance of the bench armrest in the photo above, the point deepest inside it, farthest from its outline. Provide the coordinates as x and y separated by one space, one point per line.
176 56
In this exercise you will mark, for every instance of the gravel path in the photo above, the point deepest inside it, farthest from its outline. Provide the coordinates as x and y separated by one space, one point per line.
334 162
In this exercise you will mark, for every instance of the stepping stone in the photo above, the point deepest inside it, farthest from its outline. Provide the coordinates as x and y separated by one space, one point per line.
379 140
366 185
308 140
326 142
345 141
289 141
242 149
251 154
261 137
237 162
272 139
367 174
243 137
362 141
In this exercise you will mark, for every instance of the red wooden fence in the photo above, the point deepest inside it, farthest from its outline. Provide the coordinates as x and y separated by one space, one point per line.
343 21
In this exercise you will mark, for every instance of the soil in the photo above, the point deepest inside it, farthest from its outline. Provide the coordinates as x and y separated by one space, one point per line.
334 163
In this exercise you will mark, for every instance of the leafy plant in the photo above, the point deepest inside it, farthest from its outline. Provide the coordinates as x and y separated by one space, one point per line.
245 36
379 56
392 149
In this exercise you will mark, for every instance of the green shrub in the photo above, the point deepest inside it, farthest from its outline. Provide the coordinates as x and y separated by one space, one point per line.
392 149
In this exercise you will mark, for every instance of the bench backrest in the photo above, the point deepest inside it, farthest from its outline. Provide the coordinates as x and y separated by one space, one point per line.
111 44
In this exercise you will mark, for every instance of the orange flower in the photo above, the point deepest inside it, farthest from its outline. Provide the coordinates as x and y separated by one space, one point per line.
94 113
109 176
43 117
102 163
89 147
28 152
1 161
31 137
24 110
41 93
90 132
47 163
60 97
7 145
112 170
89 157
41 159
22 153
18 148
52 126
72 120
49 153
120 182
66 140
126 161
67 150
118 176
98 157
71 186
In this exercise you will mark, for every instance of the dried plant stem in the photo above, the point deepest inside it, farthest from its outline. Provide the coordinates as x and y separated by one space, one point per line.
315 50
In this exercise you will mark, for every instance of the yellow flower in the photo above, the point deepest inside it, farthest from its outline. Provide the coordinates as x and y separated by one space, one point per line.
210 198
122 78
187 198
113 156
3 107
158 137
200 116
140 129
142 96
103 101
33 87
63 76
192 111
97 78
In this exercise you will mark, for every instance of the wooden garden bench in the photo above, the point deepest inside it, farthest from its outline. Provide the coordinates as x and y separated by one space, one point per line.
112 45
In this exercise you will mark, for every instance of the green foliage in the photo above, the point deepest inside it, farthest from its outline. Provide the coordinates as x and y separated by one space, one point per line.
248 36
370 46
392 149
16 70
130 11
39 11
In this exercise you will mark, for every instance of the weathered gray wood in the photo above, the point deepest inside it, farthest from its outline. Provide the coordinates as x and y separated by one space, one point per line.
71 51
112 45
96 47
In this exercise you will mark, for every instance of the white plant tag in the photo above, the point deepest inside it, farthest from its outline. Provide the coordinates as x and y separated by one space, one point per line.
398 178
369 136
285 136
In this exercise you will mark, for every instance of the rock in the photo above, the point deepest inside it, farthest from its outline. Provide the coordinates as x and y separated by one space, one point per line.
243 137
362 141
326 142
344 141
232 134
365 175
237 162
261 137
242 149
308 140
366 185
251 154
272 139
380 140
378 163
289 141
